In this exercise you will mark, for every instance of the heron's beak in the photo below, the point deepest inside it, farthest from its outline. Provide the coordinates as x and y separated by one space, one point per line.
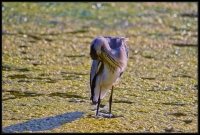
110 59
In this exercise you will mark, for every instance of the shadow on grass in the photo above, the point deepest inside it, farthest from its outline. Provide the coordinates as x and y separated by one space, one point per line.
43 124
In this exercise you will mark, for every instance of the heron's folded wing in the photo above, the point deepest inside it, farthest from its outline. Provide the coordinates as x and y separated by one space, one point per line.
94 69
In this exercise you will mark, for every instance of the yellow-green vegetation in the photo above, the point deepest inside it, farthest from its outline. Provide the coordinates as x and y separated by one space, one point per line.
46 66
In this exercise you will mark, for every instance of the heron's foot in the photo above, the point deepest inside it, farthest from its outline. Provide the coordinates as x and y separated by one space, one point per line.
104 115
108 115
95 116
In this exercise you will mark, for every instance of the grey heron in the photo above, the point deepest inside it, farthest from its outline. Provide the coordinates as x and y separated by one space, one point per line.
109 60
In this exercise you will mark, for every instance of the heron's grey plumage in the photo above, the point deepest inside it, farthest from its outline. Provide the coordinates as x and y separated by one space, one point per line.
110 57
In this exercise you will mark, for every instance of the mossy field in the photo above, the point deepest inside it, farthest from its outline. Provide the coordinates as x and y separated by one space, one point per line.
46 67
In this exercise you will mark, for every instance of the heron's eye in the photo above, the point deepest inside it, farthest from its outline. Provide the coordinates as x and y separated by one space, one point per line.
102 48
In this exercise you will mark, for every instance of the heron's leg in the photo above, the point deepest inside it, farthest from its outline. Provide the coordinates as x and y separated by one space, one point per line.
110 100
99 100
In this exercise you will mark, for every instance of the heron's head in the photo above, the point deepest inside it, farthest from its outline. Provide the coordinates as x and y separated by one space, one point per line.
96 46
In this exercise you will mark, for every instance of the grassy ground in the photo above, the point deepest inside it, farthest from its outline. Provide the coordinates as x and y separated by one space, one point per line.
46 65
